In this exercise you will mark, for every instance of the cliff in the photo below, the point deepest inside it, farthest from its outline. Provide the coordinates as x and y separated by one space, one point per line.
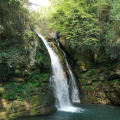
98 79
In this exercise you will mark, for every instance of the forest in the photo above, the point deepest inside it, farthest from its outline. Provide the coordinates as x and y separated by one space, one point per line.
88 32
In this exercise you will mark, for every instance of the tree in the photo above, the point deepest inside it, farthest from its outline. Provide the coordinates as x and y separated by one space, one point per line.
13 19
72 20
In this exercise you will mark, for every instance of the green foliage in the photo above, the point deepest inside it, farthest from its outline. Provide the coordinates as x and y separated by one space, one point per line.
17 41
40 20
13 19
6 72
73 21
115 10
90 72
110 37
17 46
19 91
89 26
36 75
23 90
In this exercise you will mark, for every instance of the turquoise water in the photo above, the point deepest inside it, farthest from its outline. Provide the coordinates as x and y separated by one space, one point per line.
88 112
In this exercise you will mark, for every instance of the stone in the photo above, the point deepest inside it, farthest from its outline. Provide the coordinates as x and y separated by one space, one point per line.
83 68
39 104
88 82
104 87
2 90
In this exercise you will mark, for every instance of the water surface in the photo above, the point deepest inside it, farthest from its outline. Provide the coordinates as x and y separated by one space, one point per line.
86 112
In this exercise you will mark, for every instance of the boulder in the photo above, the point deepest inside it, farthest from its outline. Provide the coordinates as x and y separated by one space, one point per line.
41 103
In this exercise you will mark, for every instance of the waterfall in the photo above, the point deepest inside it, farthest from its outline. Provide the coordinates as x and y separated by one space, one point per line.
74 88
59 81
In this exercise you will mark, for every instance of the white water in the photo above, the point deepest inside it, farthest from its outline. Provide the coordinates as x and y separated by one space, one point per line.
74 88
59 81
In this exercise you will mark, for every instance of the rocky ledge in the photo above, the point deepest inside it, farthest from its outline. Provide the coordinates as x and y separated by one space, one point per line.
41 103
100 86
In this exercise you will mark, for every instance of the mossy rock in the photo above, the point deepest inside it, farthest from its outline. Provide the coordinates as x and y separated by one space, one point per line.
3 116
2 90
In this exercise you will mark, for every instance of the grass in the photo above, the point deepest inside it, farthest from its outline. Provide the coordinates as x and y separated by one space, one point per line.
22 90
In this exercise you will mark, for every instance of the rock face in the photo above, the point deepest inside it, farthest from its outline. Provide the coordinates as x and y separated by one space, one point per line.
41 103
100 86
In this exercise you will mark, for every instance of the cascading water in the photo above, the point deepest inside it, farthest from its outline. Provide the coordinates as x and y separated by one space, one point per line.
59 81
74 88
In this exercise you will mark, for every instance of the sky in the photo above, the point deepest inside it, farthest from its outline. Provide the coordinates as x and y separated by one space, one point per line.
39 3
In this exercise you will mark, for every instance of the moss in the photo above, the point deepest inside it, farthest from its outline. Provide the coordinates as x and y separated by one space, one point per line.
3 115
95 82
32 106
34 101
90 88
33 112
83 87
87 89
90 72
88 99
83 81
2 90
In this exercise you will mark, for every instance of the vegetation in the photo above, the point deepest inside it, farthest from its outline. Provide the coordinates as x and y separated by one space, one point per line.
90 29
17 41
40 20
23 61
13 22
23 90
13 19
89 26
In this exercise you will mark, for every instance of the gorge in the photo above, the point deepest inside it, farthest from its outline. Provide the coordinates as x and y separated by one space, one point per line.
70 71
68 107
